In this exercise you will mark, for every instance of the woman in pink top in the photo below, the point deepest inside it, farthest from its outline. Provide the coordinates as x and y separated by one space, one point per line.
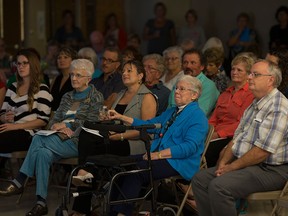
230 106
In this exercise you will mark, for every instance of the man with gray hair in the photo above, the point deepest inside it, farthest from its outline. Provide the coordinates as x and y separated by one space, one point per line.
255 160
154 68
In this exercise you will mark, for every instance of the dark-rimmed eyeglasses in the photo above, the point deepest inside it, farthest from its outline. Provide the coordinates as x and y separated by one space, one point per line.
24 63
109 61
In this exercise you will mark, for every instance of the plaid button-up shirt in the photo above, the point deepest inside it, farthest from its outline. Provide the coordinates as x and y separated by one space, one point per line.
264 124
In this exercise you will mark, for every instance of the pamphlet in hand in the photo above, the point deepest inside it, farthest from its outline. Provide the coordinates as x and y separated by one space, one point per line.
45 132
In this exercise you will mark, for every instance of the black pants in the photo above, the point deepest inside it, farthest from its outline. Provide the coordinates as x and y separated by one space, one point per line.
89 145
16 140
214 149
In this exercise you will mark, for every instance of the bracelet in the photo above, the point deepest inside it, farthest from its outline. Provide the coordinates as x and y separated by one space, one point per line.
159 155
121 137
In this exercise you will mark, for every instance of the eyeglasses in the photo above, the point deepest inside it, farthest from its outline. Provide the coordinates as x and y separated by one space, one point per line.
255 75
181 89
150 68
171 58
77 76
24 63
109 61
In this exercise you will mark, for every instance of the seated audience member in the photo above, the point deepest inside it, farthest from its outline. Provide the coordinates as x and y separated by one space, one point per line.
214 70
213 42
27 104
5 61
280 57
135 101
49 61
68 34
97 43
110 82
130 53
135 41
192 30
230 107
90 54
114 32
62 83
2 92
171 154
193 63
77 106
187 44
172 59
154 67
253 161
279 33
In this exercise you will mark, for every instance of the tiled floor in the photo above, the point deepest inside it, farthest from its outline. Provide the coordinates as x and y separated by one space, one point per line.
9 208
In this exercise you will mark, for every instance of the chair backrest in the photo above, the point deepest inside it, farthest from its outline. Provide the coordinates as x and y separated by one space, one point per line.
203 164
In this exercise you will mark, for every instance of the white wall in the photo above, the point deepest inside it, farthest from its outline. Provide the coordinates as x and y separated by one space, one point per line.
217 17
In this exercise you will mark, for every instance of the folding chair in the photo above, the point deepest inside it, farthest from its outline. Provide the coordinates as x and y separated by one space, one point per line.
278 198
203 165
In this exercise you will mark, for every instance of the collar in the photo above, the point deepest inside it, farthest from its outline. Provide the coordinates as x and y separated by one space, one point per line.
258 104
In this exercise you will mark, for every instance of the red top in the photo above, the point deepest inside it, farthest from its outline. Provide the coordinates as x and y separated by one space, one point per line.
229 110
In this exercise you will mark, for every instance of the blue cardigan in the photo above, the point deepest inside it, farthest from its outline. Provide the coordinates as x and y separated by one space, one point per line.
185 138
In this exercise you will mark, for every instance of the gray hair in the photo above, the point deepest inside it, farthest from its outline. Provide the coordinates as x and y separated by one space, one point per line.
177 49
88 53
274 70
83 64
195 83
159 61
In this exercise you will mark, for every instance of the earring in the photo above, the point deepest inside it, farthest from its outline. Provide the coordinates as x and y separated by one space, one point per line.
139 82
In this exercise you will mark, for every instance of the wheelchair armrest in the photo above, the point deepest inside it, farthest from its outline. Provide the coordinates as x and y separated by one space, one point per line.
109 160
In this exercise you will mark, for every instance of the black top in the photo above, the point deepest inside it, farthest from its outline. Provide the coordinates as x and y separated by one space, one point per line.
57 93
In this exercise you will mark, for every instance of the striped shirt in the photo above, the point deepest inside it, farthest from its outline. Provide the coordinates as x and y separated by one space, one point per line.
264 124
41 108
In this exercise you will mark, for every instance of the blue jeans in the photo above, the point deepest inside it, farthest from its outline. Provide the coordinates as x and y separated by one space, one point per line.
43 151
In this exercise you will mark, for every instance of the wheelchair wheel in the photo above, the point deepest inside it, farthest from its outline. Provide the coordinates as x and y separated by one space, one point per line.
60 211
165 211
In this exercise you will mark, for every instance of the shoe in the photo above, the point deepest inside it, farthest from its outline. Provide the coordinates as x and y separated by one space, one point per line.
10 189
82 181
38 210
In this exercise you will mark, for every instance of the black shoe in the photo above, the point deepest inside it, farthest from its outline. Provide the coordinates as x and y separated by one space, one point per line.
38 210
9 189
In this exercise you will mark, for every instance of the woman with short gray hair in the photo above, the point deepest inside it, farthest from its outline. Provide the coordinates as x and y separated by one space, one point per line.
173 62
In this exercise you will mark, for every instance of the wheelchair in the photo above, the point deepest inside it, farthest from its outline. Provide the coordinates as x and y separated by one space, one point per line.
113 167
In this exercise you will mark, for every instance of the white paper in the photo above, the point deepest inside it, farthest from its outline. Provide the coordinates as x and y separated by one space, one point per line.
95 132
45 132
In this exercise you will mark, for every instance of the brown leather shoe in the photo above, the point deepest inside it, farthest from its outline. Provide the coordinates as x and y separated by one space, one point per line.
9 189
38 210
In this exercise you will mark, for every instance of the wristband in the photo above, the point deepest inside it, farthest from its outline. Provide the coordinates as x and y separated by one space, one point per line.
121 137
159 155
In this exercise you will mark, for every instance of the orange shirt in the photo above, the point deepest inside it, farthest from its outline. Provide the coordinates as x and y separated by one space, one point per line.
229 110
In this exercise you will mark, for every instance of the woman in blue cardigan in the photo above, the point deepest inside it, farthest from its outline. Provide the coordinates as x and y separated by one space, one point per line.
177 146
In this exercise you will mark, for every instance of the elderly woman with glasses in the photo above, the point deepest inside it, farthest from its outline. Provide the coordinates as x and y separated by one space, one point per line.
173 62
177 146
27 105
77 106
